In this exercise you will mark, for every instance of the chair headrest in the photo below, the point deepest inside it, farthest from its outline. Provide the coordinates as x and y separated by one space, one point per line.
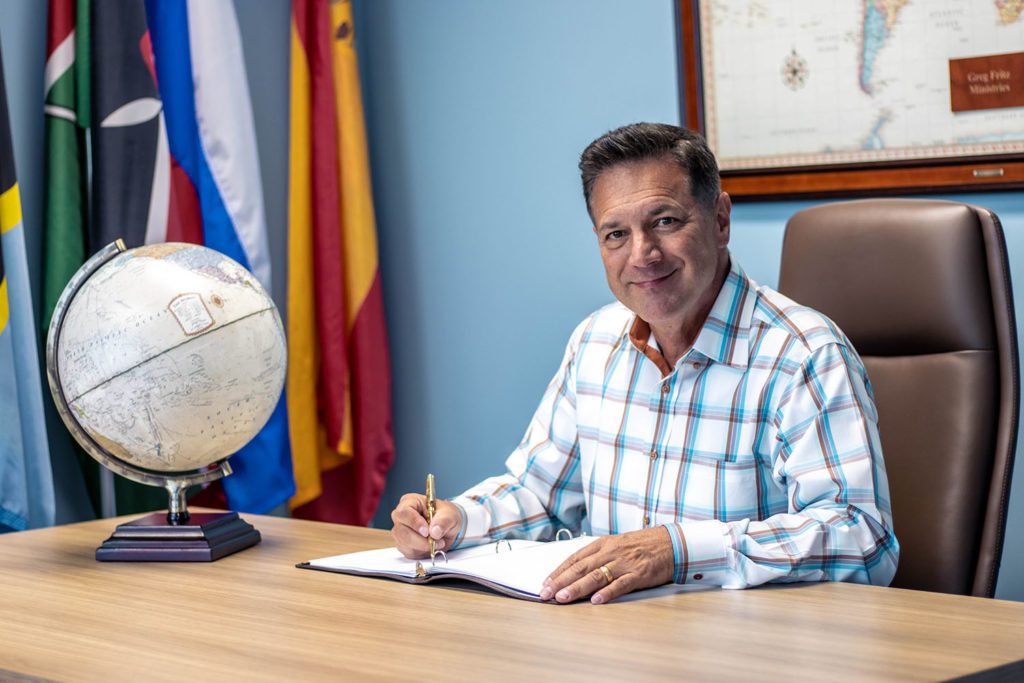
921 263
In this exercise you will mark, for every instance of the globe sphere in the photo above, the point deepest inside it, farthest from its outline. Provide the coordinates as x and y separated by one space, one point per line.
170 357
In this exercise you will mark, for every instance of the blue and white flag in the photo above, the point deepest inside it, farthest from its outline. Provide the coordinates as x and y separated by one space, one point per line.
212 192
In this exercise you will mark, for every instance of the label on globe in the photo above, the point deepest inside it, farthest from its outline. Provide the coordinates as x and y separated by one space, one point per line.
191 313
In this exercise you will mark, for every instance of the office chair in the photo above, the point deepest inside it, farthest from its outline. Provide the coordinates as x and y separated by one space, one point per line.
922 289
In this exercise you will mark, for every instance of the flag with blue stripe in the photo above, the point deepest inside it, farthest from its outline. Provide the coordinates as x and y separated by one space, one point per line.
26 478
200 73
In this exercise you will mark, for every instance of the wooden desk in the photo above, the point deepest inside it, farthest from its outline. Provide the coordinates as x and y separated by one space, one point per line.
253 616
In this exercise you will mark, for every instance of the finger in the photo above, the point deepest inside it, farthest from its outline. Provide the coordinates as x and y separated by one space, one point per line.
412 545
410 528
591 582
446 522
574 567
410 512
627 583
409 543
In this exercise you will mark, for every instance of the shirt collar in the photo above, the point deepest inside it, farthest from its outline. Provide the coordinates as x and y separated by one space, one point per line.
725 334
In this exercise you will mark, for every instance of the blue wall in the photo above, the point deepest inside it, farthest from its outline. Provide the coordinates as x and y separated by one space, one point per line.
477 113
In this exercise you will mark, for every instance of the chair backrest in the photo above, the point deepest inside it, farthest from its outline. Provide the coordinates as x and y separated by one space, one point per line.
922 289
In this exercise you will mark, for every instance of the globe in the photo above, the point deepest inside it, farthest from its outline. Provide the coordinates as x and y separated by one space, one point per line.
164 361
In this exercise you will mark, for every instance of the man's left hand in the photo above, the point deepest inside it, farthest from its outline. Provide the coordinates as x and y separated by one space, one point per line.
633 560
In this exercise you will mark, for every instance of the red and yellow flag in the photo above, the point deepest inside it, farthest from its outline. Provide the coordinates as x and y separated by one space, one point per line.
339 379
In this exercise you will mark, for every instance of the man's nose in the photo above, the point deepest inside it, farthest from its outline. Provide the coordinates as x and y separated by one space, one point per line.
644 249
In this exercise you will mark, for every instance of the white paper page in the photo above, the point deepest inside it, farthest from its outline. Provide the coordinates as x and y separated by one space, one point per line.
522 568
391 561
384 560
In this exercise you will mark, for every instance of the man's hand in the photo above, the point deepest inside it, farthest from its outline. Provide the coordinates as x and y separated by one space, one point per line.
635 560
410 531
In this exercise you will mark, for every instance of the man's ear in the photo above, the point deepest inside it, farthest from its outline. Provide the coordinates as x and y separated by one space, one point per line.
723 209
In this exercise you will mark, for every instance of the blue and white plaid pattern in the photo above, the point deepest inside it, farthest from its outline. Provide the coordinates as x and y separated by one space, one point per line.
758 451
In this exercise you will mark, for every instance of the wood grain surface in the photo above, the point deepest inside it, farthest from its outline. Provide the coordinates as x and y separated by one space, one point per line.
254 616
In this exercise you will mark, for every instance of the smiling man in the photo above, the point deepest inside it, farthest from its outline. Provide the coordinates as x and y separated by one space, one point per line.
707 429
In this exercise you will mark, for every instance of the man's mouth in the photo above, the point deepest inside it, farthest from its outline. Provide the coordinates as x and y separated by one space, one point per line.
653 282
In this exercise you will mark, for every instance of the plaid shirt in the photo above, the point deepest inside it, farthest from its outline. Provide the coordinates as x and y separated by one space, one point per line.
758 451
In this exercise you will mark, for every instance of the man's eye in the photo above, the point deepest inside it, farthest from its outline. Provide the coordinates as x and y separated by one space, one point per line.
615 235
666 220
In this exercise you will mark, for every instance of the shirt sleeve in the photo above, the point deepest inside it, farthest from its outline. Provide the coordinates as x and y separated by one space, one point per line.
838 526
541 491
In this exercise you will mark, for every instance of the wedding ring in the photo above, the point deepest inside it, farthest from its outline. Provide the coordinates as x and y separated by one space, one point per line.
607 573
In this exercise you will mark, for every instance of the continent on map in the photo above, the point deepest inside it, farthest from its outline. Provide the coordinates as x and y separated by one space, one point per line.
874 140
1009 10
879 17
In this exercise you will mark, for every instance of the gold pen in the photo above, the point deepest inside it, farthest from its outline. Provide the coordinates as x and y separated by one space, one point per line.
431 504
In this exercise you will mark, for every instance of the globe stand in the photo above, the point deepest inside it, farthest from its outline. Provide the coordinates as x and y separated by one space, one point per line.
174 536
178 536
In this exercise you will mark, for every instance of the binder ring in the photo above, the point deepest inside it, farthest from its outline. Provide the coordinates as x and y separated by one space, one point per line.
497 544
433 560
558 534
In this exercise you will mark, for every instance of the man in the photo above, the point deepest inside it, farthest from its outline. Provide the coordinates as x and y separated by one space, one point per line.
710 431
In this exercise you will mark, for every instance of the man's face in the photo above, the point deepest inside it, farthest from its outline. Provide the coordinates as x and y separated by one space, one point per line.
661 251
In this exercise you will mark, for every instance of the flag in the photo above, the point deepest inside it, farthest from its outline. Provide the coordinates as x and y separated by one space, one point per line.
26 479
69 234
67 111
130 161
126 140
173 158
339 379
215 190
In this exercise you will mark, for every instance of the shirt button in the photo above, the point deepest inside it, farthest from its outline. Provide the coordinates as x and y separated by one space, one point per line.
654 454
664 388
696 366
647 520
698 577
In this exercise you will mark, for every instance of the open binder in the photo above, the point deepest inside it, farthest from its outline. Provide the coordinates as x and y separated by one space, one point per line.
513 568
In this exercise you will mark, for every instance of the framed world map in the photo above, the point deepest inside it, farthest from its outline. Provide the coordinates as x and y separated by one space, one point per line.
830 97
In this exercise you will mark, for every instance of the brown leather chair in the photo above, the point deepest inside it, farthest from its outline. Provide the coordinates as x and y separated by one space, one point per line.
922 289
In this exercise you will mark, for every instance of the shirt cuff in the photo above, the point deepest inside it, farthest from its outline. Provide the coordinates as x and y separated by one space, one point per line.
475 522
699 551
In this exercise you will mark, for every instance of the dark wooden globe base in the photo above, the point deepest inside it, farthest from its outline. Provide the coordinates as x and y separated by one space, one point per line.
202 537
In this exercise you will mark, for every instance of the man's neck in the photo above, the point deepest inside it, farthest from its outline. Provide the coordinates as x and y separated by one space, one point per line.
676 339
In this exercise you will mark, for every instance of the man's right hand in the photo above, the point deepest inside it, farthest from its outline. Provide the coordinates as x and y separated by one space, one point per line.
410 531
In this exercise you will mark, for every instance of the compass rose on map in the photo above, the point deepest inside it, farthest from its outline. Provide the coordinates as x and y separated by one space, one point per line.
794 70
